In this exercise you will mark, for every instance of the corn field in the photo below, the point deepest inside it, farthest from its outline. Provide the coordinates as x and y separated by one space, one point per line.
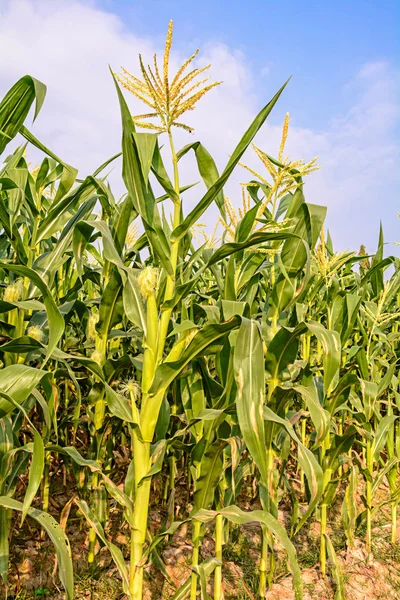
222 378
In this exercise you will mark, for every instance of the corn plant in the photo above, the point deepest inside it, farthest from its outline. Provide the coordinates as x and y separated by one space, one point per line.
261 359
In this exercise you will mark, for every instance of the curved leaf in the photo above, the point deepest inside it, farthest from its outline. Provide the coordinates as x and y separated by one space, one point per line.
57 536
56 321
15 106
240 517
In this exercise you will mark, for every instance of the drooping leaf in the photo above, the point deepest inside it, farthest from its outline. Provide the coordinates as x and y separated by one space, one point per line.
58 538
15 106
56 321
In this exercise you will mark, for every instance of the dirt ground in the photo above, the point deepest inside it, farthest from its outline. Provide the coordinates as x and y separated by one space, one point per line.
366 577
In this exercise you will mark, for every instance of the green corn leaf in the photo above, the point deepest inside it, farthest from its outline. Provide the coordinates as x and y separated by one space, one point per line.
37 464
55 259
60 211
82 234
134 306
140 193
58 538
157 460
68 175
56 321
106 163
28 135
75 456
250 396
216 188
120 407
80 240
255 239
211 467
343 387
336 570
377 275
36 467
16 196
376 268
387 379
340 444
282 351
35 472
146 143
88 363
308 463
15 106
162 176
294 254
331 345
207 169
369 390
319 416
122 498
24 304
125 215
22 345
111 307
240 517
17 381
391 464
349 506
5 525
115 552
207 566
381 434
245 226
166 372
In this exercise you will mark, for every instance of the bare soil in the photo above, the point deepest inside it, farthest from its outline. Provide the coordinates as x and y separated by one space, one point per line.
33 572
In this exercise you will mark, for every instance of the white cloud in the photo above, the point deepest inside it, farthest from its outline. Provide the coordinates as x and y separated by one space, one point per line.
265 71
360 153
69 44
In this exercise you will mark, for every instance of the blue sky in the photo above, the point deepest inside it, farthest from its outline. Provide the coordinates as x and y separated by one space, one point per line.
321 43
343 98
